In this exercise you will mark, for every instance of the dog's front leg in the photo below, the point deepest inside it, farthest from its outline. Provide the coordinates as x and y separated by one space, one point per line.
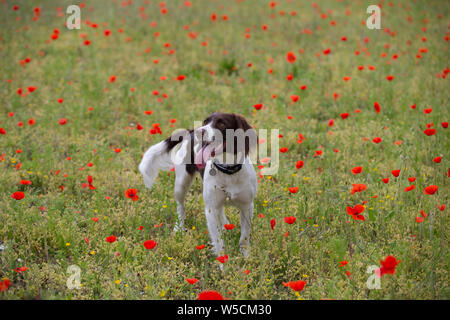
246 211
214 207
214 229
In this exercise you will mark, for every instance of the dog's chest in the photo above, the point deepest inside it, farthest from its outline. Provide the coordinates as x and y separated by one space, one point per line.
235 186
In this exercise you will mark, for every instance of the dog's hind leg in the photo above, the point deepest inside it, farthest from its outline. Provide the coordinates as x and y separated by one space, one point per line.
183 181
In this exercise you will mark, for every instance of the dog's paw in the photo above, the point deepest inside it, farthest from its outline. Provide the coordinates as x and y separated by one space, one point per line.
179 228
245 252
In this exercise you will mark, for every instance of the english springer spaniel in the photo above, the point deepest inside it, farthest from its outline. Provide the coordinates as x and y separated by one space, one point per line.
220 151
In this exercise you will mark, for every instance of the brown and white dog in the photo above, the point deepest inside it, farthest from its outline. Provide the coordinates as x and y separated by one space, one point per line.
219 151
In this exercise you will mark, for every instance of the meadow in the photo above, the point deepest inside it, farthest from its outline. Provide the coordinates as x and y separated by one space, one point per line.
352 106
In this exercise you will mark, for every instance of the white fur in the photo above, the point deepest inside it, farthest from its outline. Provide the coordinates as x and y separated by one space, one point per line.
156 158
239 187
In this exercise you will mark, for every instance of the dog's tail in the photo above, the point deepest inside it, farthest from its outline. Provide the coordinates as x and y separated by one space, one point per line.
158 157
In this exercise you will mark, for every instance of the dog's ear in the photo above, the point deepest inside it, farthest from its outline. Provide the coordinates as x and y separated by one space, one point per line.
251 138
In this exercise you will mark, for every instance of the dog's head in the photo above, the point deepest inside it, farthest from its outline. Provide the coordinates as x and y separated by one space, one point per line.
223 133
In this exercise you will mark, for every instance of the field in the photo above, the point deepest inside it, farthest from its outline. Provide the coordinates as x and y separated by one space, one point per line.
80 107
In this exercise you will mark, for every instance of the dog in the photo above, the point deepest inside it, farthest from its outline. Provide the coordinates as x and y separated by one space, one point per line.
219 151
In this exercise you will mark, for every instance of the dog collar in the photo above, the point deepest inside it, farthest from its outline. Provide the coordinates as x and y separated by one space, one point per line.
226 168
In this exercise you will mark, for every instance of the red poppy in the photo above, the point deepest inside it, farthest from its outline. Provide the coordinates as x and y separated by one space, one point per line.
111 239
331 122
318 153
210 295
299 164
258 106
112 79
229 226
4 284
343 263
21 269
295 98
437 159
284 149
357 170
344 115
200 247
326 51
411 187
385 180
430 190
191 280
273 222
25 182
293 189
131 194
429 131
396 173
222 259
290 57
62 121
444 125
358 187
419 219
295 285
390 78
377 140
18 195
356 211
424 215
377 107
150 244
301 138
412 179
388 265
290 220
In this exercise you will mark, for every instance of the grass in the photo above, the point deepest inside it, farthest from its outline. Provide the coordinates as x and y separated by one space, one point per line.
46 231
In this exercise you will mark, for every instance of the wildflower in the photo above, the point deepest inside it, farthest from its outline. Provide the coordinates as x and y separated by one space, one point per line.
150 244
131 194
388 265
210 295
295 285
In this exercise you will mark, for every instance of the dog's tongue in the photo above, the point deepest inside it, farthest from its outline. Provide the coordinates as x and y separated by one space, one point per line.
203 155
